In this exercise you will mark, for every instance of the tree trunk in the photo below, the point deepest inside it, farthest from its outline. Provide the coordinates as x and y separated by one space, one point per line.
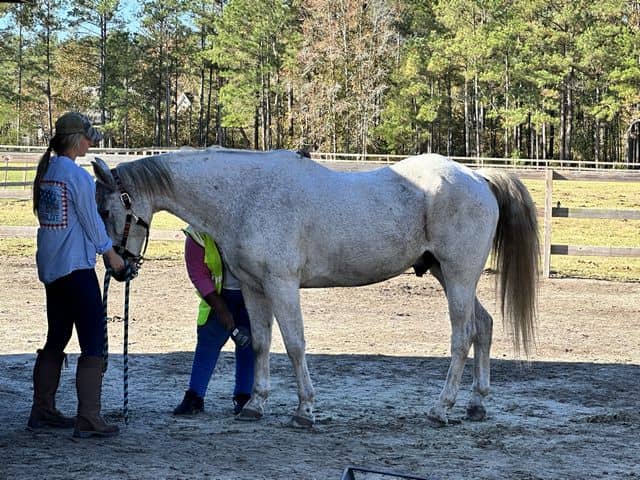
176 140
158 119
256 129
449 117
221 132
167 109
466 119
48 47
563 122
506 105
290 110
103 70
569 120
19 67
544 140
476 110
208 116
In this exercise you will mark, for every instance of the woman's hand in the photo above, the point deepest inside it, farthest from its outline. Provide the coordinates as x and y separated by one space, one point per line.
113 261
219 306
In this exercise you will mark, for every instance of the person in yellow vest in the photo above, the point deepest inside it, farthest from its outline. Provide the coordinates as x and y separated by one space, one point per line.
222 314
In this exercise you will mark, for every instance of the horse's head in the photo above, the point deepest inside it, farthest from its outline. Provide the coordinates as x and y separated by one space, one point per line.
126 213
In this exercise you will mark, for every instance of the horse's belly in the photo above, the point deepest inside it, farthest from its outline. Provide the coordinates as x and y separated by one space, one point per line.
351 275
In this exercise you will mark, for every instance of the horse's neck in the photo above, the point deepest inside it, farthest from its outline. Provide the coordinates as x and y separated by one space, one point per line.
192 199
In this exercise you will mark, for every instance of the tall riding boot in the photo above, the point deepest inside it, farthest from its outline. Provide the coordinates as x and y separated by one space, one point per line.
46 377
89 385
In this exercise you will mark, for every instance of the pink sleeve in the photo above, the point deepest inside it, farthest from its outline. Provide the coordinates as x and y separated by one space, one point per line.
196 268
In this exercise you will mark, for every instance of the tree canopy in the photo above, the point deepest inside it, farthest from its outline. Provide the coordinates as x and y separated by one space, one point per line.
519 79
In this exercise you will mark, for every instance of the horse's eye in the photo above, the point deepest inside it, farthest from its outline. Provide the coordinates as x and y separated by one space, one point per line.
104 214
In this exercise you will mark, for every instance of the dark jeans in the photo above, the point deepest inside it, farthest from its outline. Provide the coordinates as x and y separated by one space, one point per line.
75 300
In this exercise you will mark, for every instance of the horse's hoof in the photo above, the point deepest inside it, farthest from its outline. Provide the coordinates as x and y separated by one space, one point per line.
248 415
298 421
476 413
437 422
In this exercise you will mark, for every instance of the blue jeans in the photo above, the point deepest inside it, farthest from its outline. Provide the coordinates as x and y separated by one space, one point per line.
75 300
211 338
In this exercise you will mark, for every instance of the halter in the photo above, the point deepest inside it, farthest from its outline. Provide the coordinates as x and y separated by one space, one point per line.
130 219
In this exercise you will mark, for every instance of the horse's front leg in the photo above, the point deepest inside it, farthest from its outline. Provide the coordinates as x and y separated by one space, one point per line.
261 318
482 363
285 301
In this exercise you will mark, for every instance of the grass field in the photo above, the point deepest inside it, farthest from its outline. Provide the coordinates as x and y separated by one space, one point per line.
565 231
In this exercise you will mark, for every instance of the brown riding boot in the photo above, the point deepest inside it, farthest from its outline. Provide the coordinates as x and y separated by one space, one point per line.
46 377
89 423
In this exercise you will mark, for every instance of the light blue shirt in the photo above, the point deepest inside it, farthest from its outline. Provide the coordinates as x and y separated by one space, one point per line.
71 232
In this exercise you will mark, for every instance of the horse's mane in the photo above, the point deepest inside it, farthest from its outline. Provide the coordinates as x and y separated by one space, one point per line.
148 175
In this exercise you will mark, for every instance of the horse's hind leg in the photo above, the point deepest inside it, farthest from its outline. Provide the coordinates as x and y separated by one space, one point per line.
261 320
481 366
460 290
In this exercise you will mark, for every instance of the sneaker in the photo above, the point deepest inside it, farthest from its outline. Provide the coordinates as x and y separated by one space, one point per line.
239 401
190 405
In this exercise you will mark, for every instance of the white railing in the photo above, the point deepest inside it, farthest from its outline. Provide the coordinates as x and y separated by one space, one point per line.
480 162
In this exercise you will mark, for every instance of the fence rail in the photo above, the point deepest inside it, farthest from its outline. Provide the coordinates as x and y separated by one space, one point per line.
525 168
488 162
550 212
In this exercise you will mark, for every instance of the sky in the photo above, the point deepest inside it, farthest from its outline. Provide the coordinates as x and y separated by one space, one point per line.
129 10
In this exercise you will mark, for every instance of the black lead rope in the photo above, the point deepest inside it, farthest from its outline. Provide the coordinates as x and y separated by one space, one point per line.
125 347
105 296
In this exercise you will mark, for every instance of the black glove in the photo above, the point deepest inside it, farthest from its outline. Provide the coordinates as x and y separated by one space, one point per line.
129 272
241 336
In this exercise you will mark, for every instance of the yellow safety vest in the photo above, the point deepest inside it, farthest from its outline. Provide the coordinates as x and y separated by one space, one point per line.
213 261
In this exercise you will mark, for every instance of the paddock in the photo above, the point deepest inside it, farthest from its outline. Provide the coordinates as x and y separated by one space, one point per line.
571 413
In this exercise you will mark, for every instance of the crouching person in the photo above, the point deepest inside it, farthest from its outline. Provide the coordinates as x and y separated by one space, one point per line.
70 235
222 314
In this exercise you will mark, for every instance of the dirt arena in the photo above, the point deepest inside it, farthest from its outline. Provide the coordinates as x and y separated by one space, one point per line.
378 356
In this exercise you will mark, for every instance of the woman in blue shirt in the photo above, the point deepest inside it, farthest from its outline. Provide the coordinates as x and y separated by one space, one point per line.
70 235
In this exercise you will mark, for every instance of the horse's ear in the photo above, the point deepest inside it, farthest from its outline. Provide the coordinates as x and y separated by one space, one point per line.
103 173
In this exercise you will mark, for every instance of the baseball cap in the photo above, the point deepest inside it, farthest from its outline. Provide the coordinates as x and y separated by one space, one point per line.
74 122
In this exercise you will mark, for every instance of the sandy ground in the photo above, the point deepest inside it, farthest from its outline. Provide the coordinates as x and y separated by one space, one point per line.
378 356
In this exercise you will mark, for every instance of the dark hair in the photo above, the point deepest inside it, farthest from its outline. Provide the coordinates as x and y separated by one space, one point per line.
60 144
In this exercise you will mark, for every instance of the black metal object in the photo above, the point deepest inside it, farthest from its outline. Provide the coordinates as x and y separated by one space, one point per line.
350 473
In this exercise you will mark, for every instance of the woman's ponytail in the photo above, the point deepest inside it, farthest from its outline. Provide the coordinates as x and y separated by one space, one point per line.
43 166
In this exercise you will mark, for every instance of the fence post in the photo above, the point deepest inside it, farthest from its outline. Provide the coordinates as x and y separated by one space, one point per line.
548 210
6 172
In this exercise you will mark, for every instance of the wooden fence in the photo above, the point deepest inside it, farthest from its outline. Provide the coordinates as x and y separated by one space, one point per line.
528 168
550 211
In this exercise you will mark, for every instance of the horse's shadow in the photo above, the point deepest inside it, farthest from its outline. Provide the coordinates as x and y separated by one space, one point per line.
348 386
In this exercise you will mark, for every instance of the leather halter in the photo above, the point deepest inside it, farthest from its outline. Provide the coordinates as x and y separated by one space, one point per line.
130 219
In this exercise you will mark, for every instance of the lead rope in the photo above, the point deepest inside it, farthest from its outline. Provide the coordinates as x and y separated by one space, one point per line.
125 356
125 347
105 295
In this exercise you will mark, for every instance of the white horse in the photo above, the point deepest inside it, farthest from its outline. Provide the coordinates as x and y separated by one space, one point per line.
283 221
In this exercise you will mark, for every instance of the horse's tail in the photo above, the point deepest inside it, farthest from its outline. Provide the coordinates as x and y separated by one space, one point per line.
516 255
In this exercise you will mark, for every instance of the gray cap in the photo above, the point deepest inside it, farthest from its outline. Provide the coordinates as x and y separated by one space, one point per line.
74 122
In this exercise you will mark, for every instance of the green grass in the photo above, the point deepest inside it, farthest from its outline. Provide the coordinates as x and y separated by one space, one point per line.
595 232
26 247
17 176
591 194
565 231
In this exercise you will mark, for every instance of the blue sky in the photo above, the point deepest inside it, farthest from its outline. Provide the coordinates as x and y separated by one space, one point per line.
129 10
